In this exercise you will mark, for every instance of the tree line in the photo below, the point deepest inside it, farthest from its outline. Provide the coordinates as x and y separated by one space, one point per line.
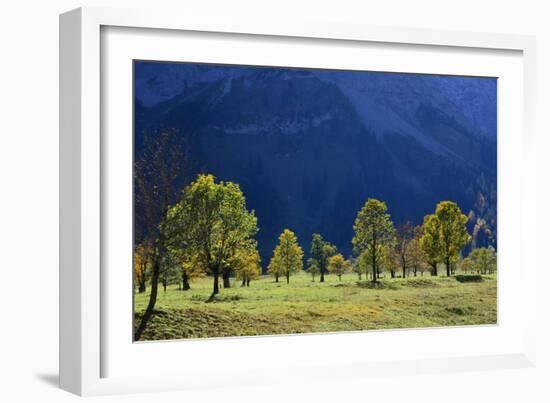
379 246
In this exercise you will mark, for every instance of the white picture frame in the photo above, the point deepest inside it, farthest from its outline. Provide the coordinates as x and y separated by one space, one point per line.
85 343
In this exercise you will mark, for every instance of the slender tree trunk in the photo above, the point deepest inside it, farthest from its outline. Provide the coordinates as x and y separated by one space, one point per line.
322 278
152 299
374 268
248 282
164 286
448 266
216 288
339 277
244 281
434 269
287 277
185 281
276 278
359 276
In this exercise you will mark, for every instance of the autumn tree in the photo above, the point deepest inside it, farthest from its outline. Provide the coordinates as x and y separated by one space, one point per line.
416 257
246 264
142 258
158 171
338 265
373 231
288 255
320 252
212 221
275 268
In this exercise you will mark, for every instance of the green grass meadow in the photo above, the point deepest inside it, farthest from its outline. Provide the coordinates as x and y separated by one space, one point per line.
303 306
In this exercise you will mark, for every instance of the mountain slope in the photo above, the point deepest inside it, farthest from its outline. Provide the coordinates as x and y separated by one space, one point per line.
308 147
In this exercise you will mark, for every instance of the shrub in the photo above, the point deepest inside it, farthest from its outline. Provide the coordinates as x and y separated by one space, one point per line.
379 285
469 278
420 282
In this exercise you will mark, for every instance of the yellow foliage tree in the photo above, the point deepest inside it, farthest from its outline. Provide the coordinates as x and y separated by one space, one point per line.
142 261
246 264
338 265
287 256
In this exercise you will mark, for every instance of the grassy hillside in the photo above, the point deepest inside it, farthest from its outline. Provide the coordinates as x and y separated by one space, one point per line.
304 306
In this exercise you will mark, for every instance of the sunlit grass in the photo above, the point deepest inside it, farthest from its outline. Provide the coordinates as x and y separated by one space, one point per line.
304 306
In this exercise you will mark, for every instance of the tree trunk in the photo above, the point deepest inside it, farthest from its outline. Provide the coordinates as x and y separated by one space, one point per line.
164 286
448 266
244 281
287 277
225 276
359 276
185 282
276 278
142 287
339 277
216 288
248 282
152 299
322 278
374 268
434 269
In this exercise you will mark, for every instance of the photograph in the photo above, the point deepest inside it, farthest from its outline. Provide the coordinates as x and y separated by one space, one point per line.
275 200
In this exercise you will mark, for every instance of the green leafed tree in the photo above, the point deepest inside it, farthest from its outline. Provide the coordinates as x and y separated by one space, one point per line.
453 233
288 256
481 260
312 268
357 267
374 230
430 241
320 253
188 266
338 265
212 221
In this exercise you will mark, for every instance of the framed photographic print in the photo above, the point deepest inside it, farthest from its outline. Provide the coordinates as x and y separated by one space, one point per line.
261 192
